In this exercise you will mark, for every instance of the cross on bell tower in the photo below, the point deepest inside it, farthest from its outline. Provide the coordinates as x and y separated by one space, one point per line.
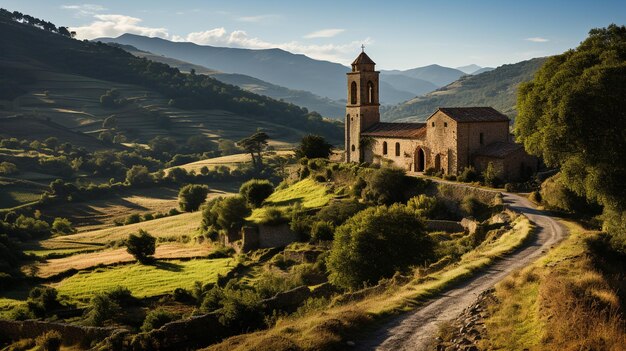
362 108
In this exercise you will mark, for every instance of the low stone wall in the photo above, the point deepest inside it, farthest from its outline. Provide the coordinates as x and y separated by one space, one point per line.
71 334
266 236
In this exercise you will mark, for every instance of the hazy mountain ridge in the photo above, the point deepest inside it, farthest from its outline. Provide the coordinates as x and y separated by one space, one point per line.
293 71
496 88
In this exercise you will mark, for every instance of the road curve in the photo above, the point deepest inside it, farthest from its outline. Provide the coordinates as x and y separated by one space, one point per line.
415 330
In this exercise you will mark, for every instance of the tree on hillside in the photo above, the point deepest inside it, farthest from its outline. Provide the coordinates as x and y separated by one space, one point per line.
573 114
225 213
191 196
376 243
313 146
142 246
138 175
254 145
255 191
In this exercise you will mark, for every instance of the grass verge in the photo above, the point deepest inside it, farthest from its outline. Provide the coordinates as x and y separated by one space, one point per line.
561 302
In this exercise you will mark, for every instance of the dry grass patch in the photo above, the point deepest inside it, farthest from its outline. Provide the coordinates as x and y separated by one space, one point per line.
230 161
562 302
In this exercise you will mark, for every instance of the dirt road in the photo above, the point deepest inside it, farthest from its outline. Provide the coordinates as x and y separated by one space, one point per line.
416 330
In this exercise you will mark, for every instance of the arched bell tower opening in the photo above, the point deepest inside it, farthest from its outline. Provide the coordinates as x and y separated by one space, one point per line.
362 107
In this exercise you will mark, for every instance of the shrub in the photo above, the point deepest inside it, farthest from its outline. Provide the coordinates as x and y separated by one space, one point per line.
137 175
132 218
122 296
468 175
449 177
470 206
8 168
191 196
386 186
556 196
241 310
141 246
423 205
41 300
62 226
313 146
338 212
322 231
156 319
182 295
490 175
49 341
255 191
101 308
273 216
358 186
376 243
430 171
535 197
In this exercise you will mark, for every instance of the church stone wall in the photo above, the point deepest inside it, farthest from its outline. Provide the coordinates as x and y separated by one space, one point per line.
515 167
469 138
406 159
441 137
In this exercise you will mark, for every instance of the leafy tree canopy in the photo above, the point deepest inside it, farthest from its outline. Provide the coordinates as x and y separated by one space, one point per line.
573 114
313 146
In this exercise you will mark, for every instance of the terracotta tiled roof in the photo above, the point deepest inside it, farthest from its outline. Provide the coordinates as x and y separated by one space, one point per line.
473 114
363 59
498 149
396 130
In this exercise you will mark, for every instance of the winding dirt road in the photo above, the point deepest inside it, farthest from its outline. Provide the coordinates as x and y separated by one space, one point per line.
417 329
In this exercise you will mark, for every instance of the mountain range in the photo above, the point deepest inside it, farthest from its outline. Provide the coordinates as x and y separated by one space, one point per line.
496 88
279 73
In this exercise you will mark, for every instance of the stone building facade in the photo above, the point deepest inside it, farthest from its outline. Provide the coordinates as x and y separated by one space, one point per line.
451 139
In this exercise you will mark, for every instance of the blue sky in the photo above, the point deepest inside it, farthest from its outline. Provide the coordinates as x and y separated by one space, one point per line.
397 34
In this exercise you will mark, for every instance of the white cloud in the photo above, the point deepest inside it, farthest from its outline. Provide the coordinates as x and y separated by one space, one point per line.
110 25
240 39
258 19
115 25
537 40
324 33
83 10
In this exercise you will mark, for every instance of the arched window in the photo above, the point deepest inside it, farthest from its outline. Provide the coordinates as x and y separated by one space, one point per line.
353 93
397 149
353 148
370 92
384 148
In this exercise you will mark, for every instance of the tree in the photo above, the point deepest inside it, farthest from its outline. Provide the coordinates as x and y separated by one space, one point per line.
423 205
225 213
160 145
191 196
313 146
255 144
573 114
142 246
62 226
255 191
375 243
490 175
227 147
52 142
137 175
386 186
8 168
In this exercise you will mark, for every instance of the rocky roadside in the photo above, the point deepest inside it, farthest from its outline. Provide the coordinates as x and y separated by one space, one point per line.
465 332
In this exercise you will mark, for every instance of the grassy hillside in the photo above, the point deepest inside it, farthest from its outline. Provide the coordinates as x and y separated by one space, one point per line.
67 77
497 88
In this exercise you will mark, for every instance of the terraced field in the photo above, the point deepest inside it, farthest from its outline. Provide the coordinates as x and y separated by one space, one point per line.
74 102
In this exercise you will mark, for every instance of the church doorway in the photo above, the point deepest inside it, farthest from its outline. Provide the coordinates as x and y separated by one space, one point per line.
419 160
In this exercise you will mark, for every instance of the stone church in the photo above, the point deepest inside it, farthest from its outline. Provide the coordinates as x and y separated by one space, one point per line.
451 139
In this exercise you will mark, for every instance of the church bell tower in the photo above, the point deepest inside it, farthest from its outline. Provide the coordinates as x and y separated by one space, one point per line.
362 109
